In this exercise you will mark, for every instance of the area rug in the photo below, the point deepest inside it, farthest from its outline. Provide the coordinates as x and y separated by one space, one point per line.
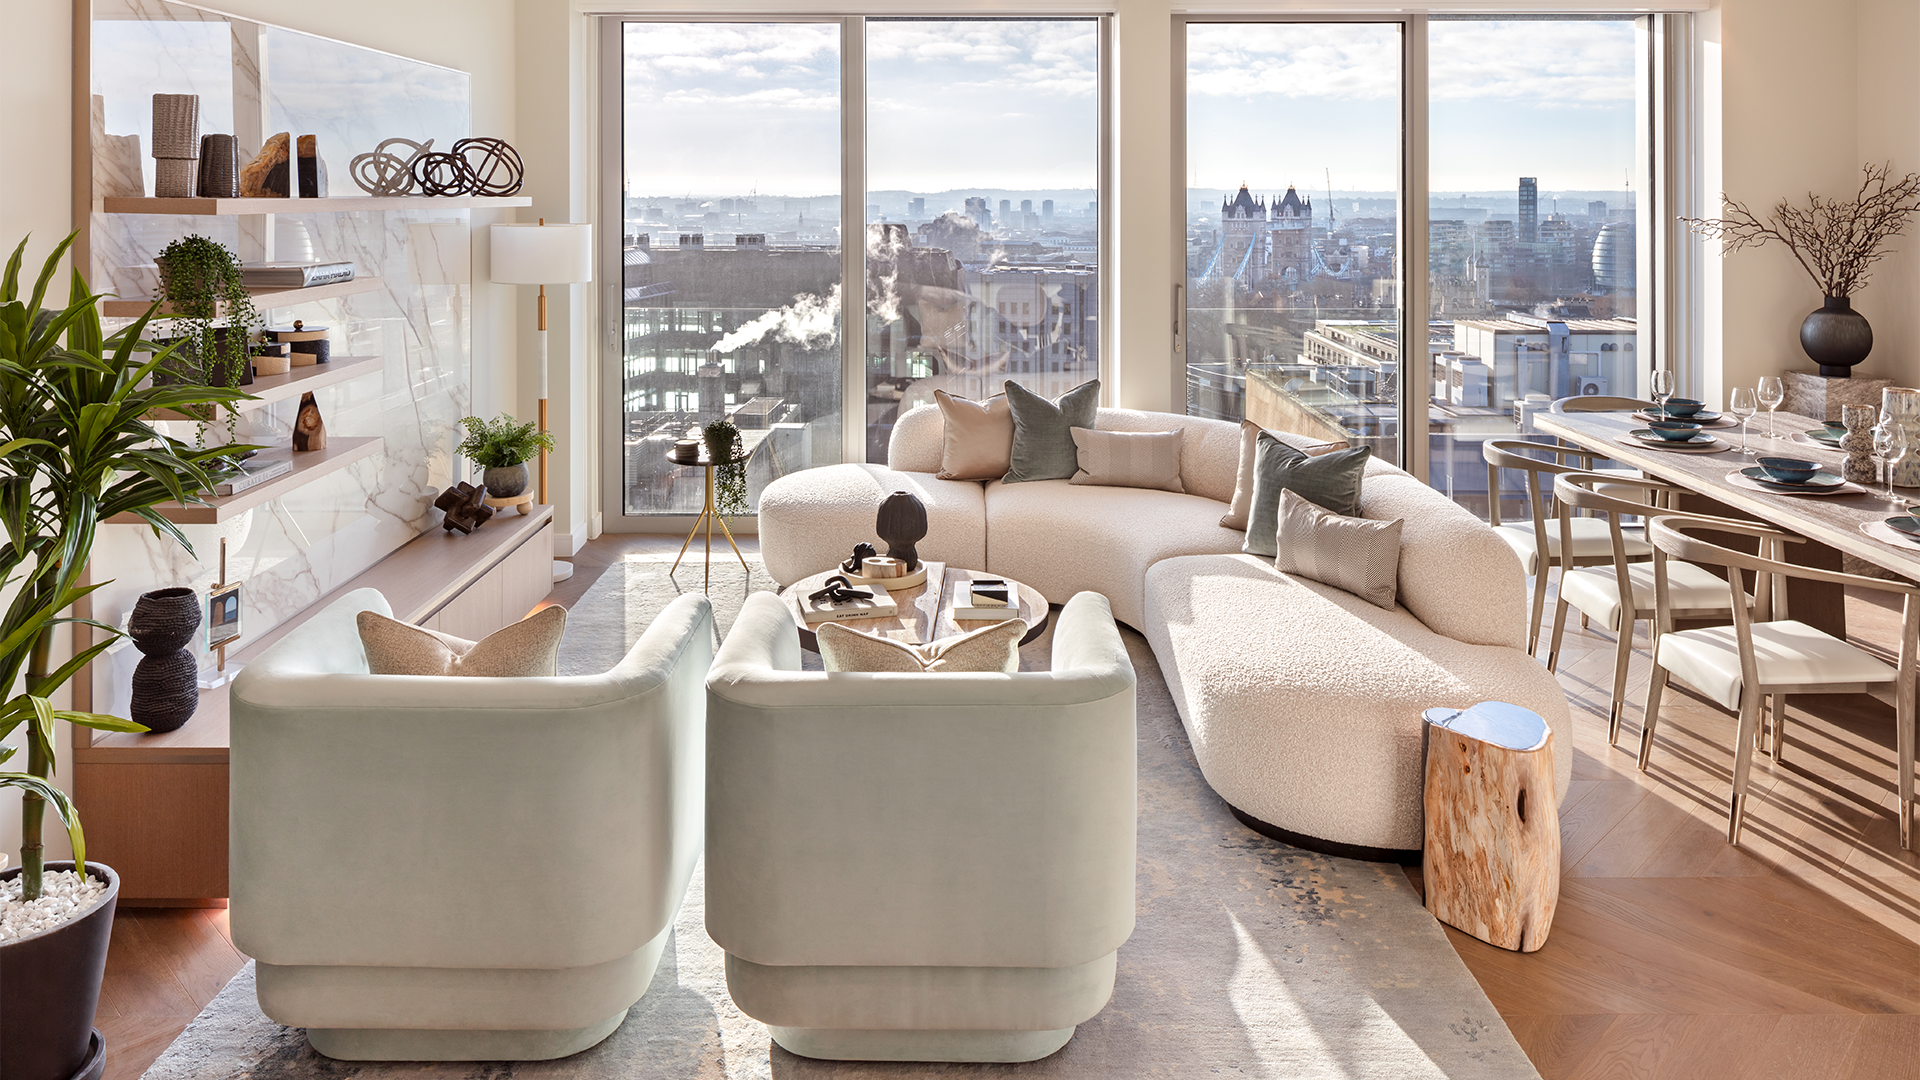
1249 958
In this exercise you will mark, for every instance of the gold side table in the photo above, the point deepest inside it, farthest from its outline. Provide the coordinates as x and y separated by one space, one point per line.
708 515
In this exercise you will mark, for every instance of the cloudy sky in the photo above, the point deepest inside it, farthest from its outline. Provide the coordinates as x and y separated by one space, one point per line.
716 108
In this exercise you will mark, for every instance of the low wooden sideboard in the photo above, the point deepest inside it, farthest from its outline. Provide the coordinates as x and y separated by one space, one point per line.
155 806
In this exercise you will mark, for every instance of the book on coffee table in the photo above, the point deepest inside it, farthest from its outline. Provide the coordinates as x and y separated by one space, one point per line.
874 603
984 599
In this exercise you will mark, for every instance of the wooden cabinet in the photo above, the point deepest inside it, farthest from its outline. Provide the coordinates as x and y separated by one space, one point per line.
156 805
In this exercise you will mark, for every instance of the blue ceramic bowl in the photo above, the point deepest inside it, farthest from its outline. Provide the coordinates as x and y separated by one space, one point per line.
1789 470
1680 406
1674 430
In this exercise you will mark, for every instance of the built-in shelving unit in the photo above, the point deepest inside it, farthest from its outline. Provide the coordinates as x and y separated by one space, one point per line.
308 466
267 389
330 204
129 308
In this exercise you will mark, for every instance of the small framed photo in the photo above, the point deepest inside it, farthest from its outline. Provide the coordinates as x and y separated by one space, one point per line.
223 615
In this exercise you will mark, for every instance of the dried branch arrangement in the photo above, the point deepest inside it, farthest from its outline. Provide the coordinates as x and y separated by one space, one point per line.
1836 241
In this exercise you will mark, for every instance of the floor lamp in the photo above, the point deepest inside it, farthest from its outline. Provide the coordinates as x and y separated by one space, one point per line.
543 255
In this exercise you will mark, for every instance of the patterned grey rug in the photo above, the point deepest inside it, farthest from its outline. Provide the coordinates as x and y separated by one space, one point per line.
1249 958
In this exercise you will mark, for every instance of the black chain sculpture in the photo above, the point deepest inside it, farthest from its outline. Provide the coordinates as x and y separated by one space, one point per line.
479 166
838 591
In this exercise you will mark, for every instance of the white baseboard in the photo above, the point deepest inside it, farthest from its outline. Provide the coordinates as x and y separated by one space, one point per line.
568 544
593 529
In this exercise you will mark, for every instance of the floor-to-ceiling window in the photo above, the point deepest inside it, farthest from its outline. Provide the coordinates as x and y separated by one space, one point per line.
961 156
1293 162
1300 151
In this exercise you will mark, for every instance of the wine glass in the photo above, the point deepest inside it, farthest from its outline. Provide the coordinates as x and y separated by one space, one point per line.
1740 403
1660 386
1772 393
1890 447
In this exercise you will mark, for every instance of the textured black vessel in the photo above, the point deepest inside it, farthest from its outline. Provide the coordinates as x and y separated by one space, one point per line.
1836 337
902 523
165 686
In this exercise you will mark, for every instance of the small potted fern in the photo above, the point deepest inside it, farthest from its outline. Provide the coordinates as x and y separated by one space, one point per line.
502 448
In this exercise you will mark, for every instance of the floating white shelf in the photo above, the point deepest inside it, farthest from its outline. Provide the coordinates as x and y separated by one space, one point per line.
330 204
308 466
268 389
264 299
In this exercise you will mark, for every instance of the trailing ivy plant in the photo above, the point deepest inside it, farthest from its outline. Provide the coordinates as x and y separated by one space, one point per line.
199 278
729 475
500 442
75 450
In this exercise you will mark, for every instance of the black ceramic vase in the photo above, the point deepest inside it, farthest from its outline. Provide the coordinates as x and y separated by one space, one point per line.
902 523
166 686
50 988
1836 337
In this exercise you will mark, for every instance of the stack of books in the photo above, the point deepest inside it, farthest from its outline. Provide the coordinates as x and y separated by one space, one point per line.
985 599
873 603
293 275
254 472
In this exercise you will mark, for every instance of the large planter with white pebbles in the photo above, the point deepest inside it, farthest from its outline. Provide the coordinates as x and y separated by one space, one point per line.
52 957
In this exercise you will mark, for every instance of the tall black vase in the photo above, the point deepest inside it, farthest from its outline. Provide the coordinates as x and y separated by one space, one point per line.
1836 337
902 523
166 686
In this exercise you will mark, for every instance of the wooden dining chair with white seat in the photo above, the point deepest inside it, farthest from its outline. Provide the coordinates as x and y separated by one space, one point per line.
1694 592
1539 543
1603 403
1739 665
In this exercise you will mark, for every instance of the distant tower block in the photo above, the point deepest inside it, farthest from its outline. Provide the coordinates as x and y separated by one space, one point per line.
1529 224
1046 211
917 208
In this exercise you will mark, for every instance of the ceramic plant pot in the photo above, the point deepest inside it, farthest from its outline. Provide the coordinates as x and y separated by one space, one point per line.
506 481
1836 337
49 988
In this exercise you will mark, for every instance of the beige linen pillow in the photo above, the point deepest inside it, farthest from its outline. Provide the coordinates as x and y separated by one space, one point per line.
1139 459
990 648
978 444
1237 510
1350 553
530 647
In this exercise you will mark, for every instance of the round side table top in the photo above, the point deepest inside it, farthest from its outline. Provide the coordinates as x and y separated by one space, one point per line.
704 460
925 613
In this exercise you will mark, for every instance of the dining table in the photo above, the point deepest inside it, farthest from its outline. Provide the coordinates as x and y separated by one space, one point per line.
1835 524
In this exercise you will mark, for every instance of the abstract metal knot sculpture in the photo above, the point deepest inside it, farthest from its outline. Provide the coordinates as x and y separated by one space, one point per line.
478 166
384 172
465 506
861 553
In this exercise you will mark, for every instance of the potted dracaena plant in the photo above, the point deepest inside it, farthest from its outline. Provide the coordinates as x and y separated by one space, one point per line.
75 450
502 448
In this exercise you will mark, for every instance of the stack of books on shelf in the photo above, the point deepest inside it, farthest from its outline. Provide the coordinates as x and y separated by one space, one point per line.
294 275
253 472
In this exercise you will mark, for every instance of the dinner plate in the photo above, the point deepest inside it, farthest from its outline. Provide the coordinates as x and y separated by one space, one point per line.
1806 439
1823 483
1905 523
1646 435
1701 417
1820 435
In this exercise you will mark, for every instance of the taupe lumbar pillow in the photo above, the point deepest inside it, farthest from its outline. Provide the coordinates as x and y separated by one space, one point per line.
1237 510
1139 459
979 437
990 648
1350 553
530 647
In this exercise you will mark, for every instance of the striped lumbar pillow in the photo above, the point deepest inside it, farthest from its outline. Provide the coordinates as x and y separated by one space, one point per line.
1350 553
1139 459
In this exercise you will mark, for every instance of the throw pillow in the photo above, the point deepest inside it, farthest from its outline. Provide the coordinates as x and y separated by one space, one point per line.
1042 431
1140 459
979 437
1331 480
530 647
1236 517
990 648
1350 553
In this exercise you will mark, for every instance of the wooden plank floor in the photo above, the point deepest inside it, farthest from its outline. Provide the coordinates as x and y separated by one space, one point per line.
1673 955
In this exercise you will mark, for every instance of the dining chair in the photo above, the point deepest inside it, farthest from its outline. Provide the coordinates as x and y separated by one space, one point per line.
1602 403
1739 665
1696 592
1588 541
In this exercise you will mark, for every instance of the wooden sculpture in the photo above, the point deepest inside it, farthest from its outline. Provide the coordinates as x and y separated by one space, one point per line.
312 169
465 506
309 430
1492 860
266 176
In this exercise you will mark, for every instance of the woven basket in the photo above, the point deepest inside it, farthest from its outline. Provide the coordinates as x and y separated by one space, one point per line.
176 125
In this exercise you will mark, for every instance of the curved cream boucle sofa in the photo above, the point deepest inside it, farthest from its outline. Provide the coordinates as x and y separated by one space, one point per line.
1302 702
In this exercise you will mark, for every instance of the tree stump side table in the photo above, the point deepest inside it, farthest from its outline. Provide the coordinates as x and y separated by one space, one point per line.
1492 858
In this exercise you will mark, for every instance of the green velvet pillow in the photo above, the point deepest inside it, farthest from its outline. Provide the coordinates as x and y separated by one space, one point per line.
1043 447
1330 480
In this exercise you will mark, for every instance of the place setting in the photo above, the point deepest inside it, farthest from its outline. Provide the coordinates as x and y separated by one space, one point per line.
1674 436
1792 476
1687 410
1826 437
